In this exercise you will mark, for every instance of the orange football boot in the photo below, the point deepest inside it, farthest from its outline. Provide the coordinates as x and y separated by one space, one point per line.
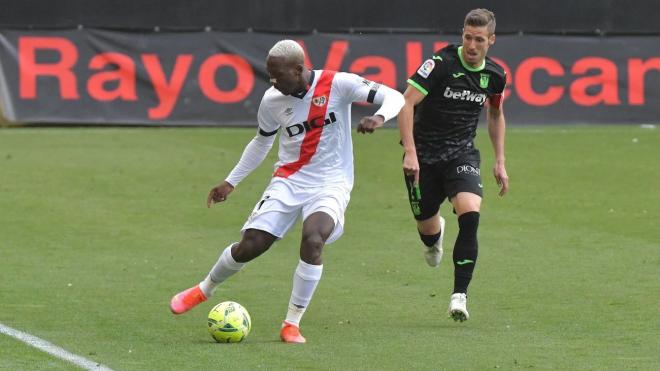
187 300
290 333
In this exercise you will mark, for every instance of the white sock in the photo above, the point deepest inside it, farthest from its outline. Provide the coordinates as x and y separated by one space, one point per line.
305 279
224 268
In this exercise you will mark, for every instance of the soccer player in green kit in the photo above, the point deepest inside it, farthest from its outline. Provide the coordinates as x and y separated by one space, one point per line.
438 123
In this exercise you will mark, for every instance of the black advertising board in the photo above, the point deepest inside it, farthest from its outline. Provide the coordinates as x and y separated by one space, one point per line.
217 78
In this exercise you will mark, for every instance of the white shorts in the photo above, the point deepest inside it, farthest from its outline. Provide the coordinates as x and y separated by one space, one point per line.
282 203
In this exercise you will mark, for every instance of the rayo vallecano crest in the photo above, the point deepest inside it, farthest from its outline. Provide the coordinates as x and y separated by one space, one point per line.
320 101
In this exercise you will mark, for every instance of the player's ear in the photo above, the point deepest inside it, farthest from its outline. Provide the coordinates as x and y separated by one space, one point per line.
299 69
491 39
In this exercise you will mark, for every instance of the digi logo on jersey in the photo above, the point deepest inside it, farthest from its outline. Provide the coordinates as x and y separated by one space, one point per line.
465 95
297 129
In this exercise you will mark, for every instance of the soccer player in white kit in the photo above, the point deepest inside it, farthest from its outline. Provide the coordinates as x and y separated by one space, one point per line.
313 177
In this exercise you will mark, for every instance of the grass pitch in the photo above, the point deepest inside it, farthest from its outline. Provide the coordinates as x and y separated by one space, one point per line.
100 227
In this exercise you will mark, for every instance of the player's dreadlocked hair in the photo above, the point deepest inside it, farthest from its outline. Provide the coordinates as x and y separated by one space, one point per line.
288 49
479 18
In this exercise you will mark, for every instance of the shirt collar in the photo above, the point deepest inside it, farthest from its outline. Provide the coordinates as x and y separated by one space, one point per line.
303 92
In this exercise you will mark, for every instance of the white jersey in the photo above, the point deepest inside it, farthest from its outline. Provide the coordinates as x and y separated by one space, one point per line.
315 139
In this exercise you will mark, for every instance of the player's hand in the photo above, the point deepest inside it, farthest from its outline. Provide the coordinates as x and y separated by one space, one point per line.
499 171
219 193
369 124
411 165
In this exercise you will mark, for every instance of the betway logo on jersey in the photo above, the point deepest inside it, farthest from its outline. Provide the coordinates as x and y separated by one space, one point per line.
465 95
308 125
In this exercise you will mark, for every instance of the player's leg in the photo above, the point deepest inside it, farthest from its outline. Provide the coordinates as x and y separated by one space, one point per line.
425 199
270 220
323 222
431 232
464 182
466 249
316 230
254 243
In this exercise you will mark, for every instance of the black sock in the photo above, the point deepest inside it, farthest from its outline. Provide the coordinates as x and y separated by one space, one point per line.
465 250
429 239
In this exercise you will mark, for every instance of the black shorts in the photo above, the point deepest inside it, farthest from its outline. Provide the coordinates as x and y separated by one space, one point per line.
443 180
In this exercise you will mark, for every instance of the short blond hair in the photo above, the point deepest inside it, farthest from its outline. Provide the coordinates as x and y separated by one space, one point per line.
288 49
480 17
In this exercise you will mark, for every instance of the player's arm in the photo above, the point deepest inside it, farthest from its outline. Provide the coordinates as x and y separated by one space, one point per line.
412 98
253 155
496 130
353 88
431 72
390 102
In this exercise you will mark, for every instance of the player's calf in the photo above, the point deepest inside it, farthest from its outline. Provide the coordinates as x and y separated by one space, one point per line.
465 250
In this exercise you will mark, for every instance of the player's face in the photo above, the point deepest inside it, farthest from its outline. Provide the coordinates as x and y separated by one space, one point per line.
286 76
476 41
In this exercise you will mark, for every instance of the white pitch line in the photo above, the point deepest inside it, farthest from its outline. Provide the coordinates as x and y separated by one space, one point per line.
52 349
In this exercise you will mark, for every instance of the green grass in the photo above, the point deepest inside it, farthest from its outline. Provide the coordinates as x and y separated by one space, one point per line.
99 227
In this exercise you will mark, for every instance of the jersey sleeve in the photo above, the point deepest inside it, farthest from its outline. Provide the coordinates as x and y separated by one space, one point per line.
253 155
268 126
496 99
430 73
354 88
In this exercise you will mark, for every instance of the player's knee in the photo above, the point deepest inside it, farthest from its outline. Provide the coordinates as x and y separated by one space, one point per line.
429 226
468 223
312 242
311 248
253 244
465 202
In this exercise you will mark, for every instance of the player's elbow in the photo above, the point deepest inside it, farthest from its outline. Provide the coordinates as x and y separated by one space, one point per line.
495 114
264 142
405 112
408 106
